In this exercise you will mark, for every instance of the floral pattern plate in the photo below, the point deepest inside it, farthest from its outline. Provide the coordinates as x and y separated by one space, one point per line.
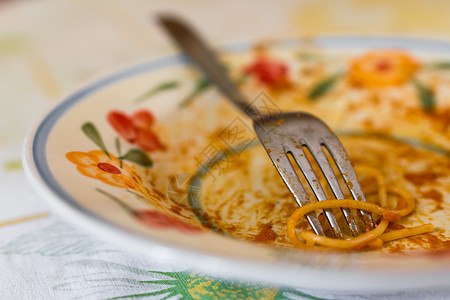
133 156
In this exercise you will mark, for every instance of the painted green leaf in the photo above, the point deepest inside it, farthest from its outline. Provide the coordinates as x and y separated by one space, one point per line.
115 199
138 156
426 96
439 65
157 89
310 57
306 56
91 132
202 85
118 148
323 86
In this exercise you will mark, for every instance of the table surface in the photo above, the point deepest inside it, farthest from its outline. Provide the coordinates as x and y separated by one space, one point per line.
49 48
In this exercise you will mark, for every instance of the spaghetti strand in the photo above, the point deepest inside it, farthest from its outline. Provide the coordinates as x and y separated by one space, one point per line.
374 238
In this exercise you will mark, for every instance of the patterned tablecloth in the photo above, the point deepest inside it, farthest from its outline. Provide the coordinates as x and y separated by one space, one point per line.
48 48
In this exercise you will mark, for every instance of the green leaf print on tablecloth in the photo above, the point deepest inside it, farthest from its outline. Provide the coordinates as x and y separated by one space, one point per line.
96 267
57 239
129 282
12 165
197 286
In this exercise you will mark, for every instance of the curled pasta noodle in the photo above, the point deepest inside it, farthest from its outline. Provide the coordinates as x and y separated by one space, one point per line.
382 187
374 238
401 233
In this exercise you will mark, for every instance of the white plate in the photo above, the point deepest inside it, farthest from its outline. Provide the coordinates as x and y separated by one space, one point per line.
77 197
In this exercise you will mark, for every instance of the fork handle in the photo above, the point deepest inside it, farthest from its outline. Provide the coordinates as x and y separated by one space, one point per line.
202 55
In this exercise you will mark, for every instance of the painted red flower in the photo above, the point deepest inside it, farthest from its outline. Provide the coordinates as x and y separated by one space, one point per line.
159 220
268 71
136 128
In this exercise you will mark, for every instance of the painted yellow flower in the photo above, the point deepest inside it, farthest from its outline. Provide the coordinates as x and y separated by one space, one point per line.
379 68
108 169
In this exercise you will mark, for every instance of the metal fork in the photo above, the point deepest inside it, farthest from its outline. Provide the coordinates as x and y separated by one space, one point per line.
283 135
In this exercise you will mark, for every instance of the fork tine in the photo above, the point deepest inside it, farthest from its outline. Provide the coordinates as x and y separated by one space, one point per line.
287 172
340 156
280 134
304 164
321 159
